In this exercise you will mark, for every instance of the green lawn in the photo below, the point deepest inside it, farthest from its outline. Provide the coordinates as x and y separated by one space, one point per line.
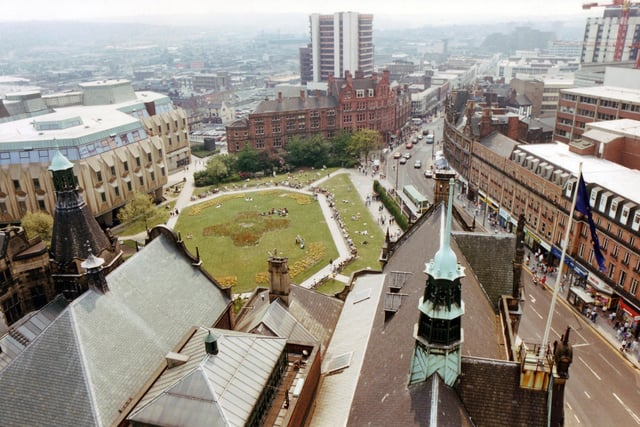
243 264
356 217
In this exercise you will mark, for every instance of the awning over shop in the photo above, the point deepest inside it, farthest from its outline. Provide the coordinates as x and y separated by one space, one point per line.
599 285
627 308
583 295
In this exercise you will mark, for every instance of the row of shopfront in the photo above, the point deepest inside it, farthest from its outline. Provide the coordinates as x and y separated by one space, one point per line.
585 289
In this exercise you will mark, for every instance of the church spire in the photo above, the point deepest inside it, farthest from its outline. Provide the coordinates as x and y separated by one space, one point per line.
438 333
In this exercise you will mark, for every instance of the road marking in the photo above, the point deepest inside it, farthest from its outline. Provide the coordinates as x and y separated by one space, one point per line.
554 331
534 310
580 335
585 392
577 419
533 300
581 345
609 363
589 368
569 406
626 408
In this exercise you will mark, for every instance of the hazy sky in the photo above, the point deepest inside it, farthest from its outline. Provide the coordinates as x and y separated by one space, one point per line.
429 12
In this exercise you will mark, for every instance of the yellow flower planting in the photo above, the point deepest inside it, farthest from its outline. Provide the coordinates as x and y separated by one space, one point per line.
228 281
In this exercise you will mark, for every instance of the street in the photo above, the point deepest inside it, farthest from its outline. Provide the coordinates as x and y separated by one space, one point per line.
603 388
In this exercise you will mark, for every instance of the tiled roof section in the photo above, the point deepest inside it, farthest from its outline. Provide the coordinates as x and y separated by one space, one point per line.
23 332
496 278
316 312
112 343
225 386
48 382
316 316
382 395
491 393
296 104
499 144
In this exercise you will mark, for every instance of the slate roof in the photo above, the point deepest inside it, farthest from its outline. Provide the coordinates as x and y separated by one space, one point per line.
295 104
94 358
491 393
217 390
28 328
496 277
382 396
315 316
499 144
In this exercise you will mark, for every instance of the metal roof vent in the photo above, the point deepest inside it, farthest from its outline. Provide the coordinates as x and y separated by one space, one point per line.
211 343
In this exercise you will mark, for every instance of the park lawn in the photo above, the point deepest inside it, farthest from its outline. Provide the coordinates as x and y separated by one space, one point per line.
245 266
356 217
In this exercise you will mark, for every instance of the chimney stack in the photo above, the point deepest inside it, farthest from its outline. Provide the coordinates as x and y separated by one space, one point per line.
279 96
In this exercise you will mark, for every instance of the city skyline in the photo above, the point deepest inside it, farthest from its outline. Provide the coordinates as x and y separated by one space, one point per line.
285 12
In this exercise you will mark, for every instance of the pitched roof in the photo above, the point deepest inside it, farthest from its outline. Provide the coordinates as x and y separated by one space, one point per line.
295 104
491 393
496 277
87 366
220 389
310 317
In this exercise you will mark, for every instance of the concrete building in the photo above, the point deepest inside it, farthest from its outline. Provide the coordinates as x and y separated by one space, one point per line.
507 179
612 37
580 106
352 103
339 42
121 142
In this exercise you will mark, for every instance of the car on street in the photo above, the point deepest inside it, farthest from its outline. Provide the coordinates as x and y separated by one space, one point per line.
428 173
397 155
407 155
403 160
417 164
409 146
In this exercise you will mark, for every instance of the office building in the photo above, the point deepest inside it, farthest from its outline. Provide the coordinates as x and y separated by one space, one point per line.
339 42
120 141
614 36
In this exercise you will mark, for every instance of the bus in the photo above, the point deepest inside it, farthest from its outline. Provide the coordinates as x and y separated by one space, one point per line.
421 203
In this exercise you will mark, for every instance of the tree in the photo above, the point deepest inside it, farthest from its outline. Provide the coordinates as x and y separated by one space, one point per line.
247 159
364 142
214 173
38 224
339 154
140 207
312 151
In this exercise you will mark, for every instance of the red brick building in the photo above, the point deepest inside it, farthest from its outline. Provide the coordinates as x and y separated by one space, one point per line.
352 103
507 178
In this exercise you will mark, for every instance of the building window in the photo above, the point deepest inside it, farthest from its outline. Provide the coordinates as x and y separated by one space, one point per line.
22 207
276 128
141 180
626 258
36 183
99 176
116 191
125 165
113 171
634 286
622 278
138 161
153 176
129 188
612 269
3 208
103 197
360 93
346 118
346 107
277 141
16 184
371 92
41 205
260 143
162 171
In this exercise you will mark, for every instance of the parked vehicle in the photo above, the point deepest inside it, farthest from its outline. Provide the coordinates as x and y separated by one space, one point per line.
417 164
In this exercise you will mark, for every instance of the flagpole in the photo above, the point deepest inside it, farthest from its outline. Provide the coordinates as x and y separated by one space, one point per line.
567 232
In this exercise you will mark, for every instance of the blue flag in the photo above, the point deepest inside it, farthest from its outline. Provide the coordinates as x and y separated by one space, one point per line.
582 206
